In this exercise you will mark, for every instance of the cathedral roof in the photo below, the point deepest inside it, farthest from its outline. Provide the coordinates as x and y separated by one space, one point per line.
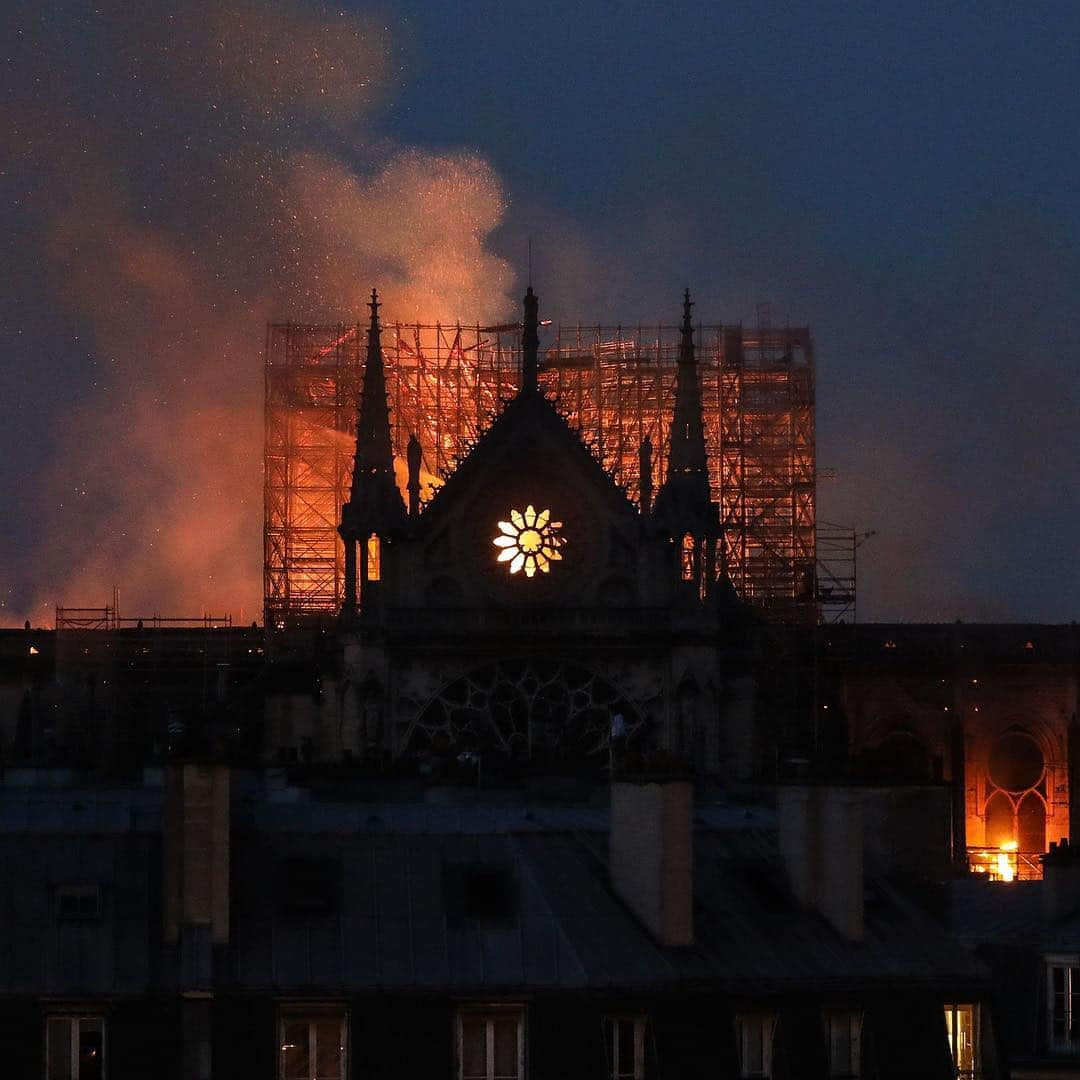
530 412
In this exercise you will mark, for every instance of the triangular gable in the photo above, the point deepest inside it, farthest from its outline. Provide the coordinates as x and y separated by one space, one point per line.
528 415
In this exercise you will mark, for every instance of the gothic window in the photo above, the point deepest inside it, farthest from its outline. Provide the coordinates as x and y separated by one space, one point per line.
374 558
1015 805
687 558
524 709
1000 820
530 541
1016 762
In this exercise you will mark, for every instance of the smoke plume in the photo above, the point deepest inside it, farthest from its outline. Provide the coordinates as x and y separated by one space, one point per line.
184 174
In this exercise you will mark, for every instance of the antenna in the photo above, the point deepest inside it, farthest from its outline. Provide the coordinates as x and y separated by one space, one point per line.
530 260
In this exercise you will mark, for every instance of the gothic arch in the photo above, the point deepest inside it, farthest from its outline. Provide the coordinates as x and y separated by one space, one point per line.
525 709
1016 789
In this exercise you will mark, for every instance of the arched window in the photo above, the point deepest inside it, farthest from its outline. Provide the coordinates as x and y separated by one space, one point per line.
374 558
687 558
1000 820
1016 762
1031 823
1016 793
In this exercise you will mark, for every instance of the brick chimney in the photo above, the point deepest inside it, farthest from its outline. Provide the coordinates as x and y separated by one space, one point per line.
651 855
821 843
196 850
1061 881
196 898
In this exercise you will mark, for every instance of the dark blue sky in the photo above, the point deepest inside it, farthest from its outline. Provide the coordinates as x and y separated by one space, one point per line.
903 178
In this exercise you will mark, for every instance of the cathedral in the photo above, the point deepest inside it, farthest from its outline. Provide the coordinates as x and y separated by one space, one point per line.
547 796
530 616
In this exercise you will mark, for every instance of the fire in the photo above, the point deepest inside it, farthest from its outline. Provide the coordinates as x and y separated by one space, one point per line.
998 864
1004 863
445 383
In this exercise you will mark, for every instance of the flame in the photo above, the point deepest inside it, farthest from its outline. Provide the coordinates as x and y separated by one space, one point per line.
1004 867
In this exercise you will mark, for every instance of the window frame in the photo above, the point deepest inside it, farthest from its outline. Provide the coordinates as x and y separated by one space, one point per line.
1069 964
952 1009
853 1019
489 1012
767 1022
75 1018
83 902
609 1027
313 1013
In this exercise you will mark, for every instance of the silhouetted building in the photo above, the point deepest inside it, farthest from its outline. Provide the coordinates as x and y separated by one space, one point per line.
550 796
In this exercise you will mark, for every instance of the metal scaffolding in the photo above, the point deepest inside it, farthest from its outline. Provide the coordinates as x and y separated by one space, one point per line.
615 384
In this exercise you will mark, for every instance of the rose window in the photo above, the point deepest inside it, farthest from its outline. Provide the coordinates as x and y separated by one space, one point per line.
529 541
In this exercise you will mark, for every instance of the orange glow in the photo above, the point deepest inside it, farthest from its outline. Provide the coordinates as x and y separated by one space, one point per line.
446 382
688 558
374 558
529 541
1003 863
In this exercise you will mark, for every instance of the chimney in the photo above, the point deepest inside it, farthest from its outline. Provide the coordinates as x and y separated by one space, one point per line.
1061 881
196 898
196 850
651 855
821 843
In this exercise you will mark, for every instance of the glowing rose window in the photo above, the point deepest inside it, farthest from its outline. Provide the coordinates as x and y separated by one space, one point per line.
530 541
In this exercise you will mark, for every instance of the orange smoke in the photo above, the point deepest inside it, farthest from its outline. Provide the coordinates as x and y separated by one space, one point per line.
153 478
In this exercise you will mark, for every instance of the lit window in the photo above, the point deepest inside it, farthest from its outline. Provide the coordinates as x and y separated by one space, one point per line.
962 1028
1064 1002
530 541
687 558
374 553
624 1047
313 1045
844 1032
75 1048
491 1043
755 1037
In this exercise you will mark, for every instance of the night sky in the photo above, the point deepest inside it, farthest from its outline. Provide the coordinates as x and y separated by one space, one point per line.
902 178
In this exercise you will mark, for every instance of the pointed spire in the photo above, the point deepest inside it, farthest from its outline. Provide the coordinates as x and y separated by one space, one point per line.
645 474
530 342
414 457
687 453
374 451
